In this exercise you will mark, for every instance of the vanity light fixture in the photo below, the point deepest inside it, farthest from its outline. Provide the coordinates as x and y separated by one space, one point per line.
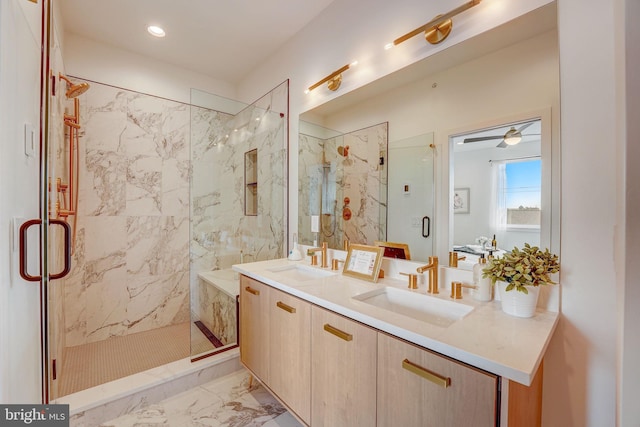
156 31
333 80
438 29
512 137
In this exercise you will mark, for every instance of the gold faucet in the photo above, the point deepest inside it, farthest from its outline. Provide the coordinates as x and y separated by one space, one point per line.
323 249
433 274
454 258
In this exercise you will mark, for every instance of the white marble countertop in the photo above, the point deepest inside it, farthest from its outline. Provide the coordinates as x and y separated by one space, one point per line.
487 338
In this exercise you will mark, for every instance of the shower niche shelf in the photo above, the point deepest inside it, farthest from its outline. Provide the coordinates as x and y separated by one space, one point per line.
251 183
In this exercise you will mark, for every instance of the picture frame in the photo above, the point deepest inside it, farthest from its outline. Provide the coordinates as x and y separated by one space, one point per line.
394 250
461 197
363 262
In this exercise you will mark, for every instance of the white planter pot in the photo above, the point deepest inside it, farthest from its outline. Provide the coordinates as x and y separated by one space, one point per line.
518 303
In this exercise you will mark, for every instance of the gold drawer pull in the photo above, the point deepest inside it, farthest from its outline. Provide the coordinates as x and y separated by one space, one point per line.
286 307
252 291
426 374
337 332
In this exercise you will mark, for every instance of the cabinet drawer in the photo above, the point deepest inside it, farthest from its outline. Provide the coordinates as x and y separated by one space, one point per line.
417 387
343 371
254 326
290 355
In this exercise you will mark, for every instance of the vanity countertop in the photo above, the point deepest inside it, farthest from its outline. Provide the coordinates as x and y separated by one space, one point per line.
487 337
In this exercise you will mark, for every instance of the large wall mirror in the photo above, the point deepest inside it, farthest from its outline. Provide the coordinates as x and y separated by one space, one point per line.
480 87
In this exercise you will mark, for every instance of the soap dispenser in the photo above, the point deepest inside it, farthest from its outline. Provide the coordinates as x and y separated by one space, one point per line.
482 284
295 254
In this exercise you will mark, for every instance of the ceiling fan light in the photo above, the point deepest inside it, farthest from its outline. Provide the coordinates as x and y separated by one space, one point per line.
512 137
512 140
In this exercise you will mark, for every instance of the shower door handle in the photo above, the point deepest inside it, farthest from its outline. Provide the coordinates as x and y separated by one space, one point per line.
23 250
67 249
428 221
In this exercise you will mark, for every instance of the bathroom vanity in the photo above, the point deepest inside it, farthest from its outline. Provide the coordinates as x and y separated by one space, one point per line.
339 351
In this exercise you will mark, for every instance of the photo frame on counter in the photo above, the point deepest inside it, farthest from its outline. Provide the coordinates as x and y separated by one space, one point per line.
363 262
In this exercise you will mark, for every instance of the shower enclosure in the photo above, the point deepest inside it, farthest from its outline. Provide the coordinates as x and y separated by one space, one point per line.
157 184
342 182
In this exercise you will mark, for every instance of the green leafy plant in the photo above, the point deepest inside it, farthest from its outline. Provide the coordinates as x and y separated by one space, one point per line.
528 266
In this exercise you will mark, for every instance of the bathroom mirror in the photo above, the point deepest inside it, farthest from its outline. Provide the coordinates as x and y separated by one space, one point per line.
496 78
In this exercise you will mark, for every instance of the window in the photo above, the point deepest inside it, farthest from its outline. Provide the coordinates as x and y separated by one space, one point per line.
518 197
522 193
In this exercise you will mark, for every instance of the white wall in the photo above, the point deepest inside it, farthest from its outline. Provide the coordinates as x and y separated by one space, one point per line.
99 62
629 291
19 186
580 368
628 336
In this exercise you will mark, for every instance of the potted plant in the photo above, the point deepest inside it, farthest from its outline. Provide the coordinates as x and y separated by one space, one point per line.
522 270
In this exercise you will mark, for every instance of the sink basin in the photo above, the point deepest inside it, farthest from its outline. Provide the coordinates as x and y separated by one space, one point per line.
421 307
300 272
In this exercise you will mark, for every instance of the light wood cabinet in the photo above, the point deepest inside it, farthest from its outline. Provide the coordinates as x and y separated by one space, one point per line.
331 371
254 326
290 351
343 371
417 387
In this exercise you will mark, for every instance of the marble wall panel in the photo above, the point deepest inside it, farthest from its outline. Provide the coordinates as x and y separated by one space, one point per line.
217 311
161 198
220 230
131 264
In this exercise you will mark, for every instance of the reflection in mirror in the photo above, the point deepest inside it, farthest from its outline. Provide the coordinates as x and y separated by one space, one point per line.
395 250
497 188
343 185
412 194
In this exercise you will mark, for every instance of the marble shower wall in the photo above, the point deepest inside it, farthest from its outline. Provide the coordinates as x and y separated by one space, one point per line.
130 265
137 206
220 228
359 177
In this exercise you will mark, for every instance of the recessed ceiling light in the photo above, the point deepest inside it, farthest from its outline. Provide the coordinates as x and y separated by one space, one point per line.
155 31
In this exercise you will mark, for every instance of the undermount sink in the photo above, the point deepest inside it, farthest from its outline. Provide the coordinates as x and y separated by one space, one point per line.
421 307
300 272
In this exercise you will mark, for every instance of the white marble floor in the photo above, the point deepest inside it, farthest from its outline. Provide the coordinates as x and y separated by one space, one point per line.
226 401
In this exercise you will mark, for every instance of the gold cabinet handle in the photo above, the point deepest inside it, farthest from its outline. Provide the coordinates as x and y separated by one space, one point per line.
337 332
426 374
285 307
252 291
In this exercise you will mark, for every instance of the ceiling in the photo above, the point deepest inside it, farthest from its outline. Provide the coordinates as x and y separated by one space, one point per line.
224 39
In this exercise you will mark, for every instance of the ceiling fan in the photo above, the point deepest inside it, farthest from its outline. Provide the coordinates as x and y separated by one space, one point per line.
511 137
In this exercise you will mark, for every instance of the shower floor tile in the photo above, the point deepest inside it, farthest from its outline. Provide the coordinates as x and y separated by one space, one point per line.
89 365
223 402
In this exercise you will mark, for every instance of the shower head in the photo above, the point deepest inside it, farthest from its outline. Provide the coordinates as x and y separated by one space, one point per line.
74 90
343 151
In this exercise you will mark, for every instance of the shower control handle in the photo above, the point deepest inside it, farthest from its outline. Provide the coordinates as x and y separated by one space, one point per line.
24 253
